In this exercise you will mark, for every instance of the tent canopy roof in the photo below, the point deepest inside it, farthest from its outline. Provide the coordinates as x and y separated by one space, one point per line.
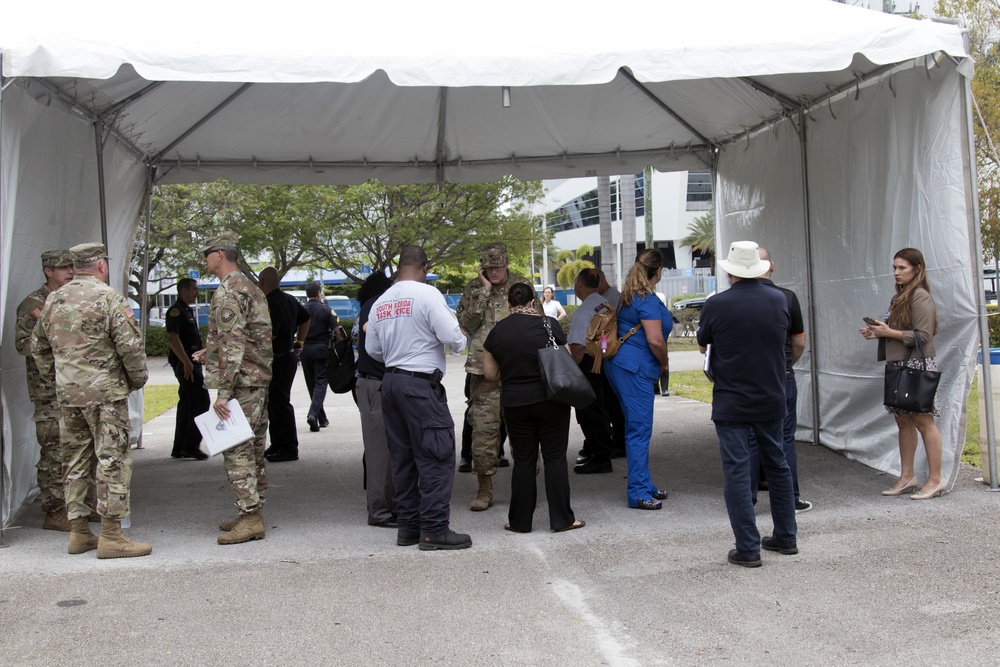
333 93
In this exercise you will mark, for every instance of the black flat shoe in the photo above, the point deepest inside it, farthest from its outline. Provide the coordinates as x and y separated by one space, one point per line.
650 504
282 457
744 560
660 494
313 424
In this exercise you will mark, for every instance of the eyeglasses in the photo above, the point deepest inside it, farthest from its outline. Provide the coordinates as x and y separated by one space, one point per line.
210 251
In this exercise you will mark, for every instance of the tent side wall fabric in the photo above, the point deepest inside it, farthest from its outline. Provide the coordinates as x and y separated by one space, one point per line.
50 201
885 171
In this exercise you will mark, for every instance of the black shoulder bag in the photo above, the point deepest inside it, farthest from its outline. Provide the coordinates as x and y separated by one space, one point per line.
911 389
564 381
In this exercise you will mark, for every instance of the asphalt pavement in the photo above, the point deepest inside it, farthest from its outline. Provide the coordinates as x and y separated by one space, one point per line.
878 581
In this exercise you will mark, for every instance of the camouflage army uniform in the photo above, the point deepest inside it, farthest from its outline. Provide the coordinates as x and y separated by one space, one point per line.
238 359
478 312
43 396
88 341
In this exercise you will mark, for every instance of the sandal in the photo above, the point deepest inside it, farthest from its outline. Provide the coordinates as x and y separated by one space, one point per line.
507 526
579 523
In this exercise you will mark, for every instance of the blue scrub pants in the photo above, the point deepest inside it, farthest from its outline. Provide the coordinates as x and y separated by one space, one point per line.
635 394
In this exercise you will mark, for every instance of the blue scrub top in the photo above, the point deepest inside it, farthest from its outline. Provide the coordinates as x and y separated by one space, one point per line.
635 355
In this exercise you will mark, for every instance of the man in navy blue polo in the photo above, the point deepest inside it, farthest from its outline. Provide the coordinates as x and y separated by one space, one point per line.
746 327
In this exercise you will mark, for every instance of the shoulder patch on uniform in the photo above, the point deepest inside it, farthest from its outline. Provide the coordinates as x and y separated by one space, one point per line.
32 321
174 312
129 312
227 315
36 312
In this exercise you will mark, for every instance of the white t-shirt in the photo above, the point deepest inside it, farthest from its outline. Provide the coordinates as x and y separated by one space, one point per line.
581 319
551 308
408 326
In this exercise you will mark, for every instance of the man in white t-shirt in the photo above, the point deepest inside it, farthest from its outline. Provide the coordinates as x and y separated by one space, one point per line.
593 419
407 329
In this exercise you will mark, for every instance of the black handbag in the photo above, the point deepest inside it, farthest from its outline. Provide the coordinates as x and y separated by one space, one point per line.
564 381
911 389
340 362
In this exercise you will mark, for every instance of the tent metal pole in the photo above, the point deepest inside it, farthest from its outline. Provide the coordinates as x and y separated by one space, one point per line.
3 441
143 282
810 286
977 260
99 140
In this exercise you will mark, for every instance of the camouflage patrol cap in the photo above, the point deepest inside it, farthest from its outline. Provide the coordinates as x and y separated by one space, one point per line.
493 256
55 259
222 240
85 253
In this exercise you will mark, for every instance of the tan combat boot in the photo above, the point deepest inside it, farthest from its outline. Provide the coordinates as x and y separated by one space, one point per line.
248 527
81 540
114 543
484 496
56 521
229 524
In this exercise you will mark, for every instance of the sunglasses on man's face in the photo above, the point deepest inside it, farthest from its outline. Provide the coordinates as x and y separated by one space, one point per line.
210 251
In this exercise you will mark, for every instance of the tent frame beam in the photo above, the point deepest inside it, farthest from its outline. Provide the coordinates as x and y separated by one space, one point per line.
201 121
664 106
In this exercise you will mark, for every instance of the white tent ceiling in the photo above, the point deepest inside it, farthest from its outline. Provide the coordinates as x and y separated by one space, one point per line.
323 93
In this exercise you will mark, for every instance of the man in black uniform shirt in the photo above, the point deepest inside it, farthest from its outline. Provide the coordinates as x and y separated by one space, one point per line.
184 338
289 323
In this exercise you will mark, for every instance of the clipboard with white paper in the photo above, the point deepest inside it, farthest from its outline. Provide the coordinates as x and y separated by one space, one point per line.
708 363
221 435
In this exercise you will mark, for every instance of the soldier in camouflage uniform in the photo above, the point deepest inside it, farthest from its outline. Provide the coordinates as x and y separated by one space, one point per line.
237 358
88 342
57 266
483 304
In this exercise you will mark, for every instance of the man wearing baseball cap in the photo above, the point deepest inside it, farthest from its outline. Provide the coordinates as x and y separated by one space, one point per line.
747 326
57 265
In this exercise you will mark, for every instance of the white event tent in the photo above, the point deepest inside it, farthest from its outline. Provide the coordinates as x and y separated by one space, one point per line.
837 135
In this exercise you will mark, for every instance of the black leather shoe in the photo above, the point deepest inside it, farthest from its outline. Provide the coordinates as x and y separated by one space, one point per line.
281 457
388 523
313 424
324 424
502 462
592 467
465 465
196 454
581 459
787 548
449 540
617 453
745 560
407 538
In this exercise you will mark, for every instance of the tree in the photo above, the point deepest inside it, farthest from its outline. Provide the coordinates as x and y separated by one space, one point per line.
367 224
571 263
701 236
982 17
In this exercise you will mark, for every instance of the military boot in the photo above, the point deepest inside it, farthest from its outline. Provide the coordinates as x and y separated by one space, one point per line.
81 540
229 524
248 527
114 543
484 496
56 521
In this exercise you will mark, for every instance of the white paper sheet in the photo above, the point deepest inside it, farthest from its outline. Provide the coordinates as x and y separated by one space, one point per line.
222 435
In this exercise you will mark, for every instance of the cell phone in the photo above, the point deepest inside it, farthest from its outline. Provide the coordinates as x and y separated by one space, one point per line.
871 320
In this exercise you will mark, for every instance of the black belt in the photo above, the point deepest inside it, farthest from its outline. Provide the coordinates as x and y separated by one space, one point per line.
415 374
372 376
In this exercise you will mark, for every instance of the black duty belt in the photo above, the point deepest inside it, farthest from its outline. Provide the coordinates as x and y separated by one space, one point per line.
373 376
415 374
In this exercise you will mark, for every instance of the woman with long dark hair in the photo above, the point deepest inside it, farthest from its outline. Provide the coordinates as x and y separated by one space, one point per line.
533 422
911 315
637 367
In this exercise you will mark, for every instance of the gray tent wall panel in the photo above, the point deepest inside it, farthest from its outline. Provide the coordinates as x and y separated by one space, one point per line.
51 201
886 171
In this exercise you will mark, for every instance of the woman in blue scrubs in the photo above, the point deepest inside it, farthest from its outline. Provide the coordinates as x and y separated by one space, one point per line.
636 368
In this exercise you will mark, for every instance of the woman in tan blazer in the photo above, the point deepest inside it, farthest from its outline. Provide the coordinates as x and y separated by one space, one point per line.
911 314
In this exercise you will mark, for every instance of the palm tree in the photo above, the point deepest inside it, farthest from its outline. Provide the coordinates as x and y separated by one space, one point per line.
701 236
571 263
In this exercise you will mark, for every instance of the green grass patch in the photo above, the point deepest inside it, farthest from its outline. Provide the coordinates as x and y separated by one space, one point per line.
157 399
691 384
694 385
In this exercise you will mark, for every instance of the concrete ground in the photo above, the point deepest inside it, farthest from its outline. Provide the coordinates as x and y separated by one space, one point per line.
878 581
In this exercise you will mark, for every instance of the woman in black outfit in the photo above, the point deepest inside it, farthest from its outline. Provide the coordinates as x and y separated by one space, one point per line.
511 355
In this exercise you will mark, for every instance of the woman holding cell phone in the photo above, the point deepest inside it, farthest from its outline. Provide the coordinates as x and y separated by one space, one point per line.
911 315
